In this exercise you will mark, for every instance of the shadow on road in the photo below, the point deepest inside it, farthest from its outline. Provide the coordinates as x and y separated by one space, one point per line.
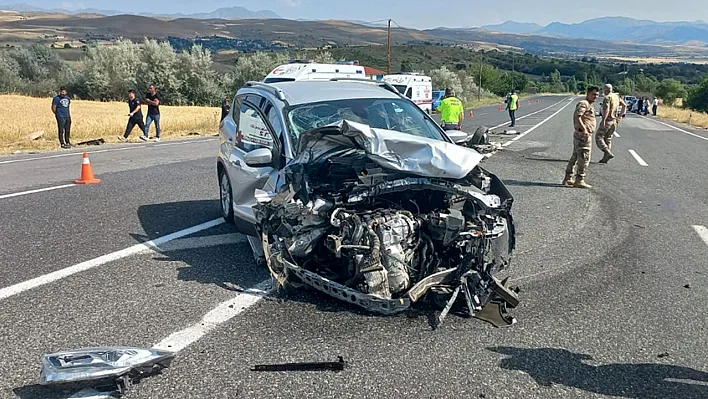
548 366
203 257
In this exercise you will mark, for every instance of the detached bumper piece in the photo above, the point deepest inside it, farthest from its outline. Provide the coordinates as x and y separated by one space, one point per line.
107 368
318 366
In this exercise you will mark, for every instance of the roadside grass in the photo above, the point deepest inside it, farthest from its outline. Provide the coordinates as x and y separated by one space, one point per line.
681 115
24 116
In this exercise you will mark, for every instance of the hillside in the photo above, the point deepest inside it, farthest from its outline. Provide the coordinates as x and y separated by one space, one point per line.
620 29
311 34
224 12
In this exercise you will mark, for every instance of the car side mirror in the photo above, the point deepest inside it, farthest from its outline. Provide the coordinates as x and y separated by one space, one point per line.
259 158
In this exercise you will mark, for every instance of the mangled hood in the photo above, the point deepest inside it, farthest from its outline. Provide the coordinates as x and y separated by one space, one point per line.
389 149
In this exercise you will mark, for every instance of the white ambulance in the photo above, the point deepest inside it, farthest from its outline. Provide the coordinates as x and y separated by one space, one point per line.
309 70
417 87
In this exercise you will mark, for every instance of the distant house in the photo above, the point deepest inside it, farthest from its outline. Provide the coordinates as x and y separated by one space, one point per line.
373 73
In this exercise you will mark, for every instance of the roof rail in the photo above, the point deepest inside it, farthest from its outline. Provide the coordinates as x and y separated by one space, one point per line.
385 85
268 87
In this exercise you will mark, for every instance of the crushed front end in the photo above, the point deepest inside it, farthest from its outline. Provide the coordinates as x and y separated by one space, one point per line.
361 219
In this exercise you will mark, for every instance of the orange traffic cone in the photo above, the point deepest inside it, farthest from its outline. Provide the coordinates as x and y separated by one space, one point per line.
471 114
529 102
538 101
87 172
500 108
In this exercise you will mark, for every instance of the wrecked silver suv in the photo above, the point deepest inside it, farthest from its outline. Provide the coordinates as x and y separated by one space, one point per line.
356 192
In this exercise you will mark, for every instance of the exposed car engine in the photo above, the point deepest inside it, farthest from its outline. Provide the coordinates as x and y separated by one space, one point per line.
360 226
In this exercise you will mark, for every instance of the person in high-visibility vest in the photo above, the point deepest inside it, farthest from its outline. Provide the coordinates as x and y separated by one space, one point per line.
512 105
452 111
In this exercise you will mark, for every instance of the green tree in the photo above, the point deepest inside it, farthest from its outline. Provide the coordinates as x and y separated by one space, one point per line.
407 65
324 58
626 87
669 90
573 84
111 71
255 67
698 97
160 67
199 80
444 78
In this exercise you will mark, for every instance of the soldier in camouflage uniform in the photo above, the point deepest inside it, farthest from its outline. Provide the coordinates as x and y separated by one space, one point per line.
609 123
584 123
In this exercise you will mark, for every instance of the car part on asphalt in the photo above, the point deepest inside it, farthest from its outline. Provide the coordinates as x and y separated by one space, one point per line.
383 220
317 366
113 368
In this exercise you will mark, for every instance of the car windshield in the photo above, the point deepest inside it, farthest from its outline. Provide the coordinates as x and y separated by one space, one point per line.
390 114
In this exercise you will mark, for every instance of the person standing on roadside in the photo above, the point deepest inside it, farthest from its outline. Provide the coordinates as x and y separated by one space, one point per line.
610 119
225 108
60 108
655 106
135 116
152 99
584 123
512 105
452 111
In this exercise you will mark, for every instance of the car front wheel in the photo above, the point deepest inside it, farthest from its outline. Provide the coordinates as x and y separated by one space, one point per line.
226 198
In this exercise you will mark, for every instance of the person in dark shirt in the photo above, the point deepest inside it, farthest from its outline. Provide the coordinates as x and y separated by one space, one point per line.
135 116
60 108
152 99
225 108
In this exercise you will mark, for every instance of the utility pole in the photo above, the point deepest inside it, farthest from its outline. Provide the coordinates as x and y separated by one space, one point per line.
388 71
479 83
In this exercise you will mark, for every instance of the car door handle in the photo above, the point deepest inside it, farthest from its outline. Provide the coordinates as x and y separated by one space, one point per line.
236 162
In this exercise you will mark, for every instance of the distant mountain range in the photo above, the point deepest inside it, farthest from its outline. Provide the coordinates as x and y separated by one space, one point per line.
221 13
615 29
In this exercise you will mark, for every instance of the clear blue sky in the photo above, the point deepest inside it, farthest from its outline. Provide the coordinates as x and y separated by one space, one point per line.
420 13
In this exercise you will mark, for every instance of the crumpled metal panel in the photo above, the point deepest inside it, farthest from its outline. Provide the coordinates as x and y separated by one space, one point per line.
392 150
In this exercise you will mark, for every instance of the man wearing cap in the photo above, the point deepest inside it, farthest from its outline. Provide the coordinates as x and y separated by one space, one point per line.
584 123
452 111
610 119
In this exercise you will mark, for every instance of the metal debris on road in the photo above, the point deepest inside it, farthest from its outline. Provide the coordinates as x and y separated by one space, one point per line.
317 366
93 142
115 368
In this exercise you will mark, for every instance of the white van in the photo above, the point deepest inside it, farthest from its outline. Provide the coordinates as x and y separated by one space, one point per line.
417 87
308 70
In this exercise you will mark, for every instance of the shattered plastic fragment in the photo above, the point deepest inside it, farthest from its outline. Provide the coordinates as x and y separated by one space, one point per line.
102 366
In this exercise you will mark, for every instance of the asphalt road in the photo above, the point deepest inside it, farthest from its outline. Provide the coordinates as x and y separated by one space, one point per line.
613 279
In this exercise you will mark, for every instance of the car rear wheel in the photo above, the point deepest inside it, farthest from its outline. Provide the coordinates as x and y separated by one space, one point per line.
226 197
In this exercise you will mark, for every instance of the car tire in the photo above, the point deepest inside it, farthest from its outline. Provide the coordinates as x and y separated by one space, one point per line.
226 198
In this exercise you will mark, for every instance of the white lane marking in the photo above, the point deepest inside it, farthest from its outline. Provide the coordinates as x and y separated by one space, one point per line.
101 260
179 340
133 147
675 128
617 135
526 116
537 125
702 232
39 190
222 313
638 158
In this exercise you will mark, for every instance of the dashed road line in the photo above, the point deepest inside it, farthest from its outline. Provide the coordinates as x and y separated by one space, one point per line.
39 190
617 135
638 158
702 232
101 260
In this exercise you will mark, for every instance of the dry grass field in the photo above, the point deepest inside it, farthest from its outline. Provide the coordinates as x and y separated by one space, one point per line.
25 116
693 118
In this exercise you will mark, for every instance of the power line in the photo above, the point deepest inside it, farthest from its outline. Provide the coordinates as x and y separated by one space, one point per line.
405 30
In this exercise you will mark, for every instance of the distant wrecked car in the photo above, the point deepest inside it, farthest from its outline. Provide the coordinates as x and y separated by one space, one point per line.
352 189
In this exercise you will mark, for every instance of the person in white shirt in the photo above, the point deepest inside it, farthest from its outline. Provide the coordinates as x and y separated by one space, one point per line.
655 106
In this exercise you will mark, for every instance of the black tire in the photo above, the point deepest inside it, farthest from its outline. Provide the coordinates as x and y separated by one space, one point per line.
226 198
